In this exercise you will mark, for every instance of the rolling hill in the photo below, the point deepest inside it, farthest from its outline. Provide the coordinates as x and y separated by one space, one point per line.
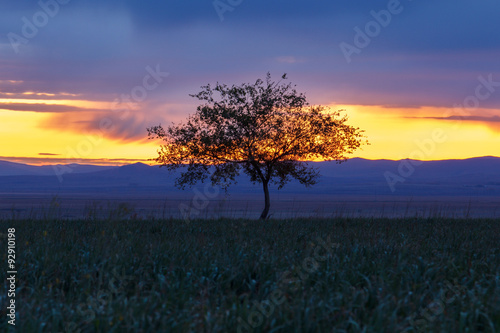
476 176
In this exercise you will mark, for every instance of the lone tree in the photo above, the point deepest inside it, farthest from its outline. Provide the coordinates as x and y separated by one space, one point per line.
265 129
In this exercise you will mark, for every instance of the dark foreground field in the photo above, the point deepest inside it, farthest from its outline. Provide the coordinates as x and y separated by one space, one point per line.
298 275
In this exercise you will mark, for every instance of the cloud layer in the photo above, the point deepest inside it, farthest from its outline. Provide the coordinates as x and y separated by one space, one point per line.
430 53
404 55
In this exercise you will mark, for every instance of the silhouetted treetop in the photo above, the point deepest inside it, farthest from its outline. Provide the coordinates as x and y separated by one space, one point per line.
266 129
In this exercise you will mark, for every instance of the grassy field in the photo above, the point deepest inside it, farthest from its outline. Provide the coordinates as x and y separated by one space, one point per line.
297 275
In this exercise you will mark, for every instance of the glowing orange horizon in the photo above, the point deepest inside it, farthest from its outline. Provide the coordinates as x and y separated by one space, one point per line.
391 133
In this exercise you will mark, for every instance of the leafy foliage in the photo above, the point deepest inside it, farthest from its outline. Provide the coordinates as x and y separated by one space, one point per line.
266 129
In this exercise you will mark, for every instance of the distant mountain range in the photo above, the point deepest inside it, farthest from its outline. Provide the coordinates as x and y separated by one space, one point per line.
469 177
18 169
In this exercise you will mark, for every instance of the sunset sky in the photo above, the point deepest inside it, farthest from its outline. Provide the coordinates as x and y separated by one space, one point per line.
80 81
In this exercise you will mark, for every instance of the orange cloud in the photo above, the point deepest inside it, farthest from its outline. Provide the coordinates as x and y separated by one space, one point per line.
124 126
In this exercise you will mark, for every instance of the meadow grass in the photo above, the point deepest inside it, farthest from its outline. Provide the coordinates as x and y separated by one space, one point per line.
230 275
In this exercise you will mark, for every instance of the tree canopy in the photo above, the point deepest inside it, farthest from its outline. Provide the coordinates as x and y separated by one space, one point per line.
266 129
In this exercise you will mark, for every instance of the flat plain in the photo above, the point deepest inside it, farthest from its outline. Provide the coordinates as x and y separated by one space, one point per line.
345 274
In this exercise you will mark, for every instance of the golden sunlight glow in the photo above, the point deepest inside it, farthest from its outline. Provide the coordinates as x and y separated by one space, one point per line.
22 136
392 134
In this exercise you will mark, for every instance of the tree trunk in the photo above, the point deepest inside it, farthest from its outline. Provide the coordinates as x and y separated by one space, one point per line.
267 200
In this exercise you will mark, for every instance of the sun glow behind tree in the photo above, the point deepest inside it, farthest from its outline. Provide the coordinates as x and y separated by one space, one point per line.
265 129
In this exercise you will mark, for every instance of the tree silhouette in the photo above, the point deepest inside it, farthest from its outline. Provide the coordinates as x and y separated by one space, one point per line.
265 129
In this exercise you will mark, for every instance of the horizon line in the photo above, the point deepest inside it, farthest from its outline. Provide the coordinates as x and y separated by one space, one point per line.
47 161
